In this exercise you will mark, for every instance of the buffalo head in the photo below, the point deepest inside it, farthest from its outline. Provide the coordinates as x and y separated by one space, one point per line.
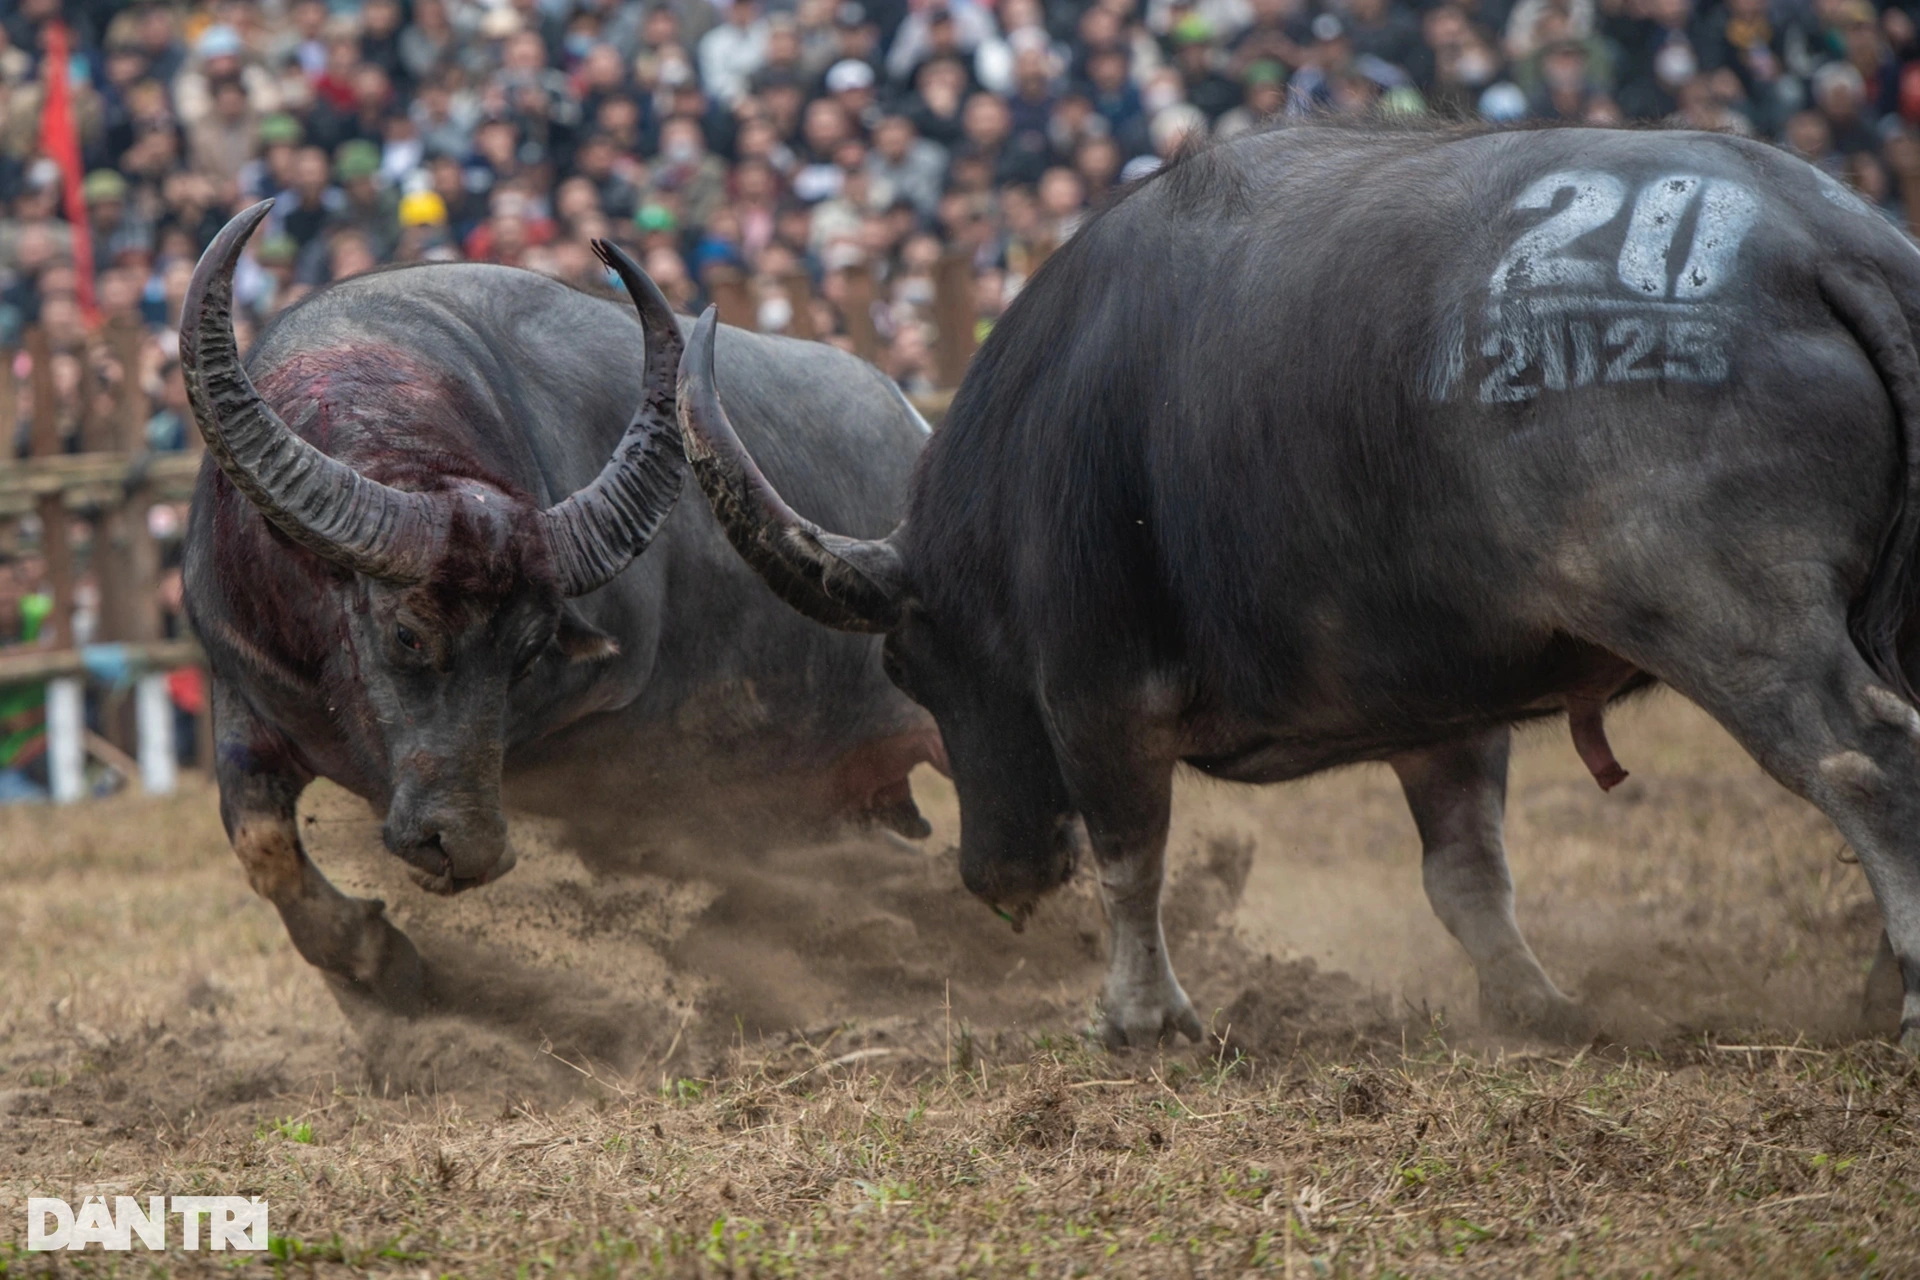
452 588
1019 832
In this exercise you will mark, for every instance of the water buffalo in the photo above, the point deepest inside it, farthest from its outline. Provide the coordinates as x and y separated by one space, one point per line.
1329 445
408 563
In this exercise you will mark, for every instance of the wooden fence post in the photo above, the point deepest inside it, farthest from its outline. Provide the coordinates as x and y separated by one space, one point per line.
126 560
799 291
953 313
729 291
56 543
859 312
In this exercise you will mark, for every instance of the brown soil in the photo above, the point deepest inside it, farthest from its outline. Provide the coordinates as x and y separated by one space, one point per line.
831 1060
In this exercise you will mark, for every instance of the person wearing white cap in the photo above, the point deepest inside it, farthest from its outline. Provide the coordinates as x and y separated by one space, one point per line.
850 81
220 54
849 75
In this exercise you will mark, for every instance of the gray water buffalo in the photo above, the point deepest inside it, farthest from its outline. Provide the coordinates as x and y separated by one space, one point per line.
409 563
1330 445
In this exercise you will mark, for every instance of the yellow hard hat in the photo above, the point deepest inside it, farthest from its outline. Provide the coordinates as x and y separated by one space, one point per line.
423 209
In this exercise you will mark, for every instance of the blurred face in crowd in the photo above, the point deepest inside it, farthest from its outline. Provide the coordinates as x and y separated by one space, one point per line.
349 255
857 41
118 293
986 121
372 90
229 102
595 158
1016 15
34 250
1061 193
310 174
660 28
893 139
310 18
826 126
1098 162
755 183
794 224
381 18
498 142
942 38
783 44
1107 69
1265 99
601 70
941 83
343 55
1807 133
681 142
1099 29
526 54
1672 14
1032 74
1837 96
851 156
669 271
972 174
125 66
757 139
619 119
155 29
1564 69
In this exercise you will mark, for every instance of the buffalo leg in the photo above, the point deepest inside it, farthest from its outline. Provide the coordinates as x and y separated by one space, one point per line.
1126 798
1815 716
1458 794
348 939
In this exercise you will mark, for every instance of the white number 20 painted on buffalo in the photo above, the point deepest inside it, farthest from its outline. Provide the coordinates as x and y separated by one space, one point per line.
1537 259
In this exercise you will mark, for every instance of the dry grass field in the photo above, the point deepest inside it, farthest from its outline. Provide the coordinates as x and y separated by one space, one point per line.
830 1061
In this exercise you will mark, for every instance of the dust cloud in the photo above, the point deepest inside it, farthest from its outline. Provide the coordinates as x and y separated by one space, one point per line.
1696 898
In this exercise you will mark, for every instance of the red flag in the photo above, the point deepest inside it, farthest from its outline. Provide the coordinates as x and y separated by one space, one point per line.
60 143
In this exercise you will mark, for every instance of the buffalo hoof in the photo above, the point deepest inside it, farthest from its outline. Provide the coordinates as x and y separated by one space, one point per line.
395 977
1543 1015
365 959
1143 1019
900 816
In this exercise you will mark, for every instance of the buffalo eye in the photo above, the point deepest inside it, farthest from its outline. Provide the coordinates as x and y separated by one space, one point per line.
408 640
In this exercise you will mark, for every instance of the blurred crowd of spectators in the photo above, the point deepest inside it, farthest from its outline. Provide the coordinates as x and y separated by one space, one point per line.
750 140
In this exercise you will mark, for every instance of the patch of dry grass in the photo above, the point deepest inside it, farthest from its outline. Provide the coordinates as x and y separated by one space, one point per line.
158 1035
1717 1162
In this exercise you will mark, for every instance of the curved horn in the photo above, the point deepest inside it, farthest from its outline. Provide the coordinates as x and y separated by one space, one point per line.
850 584
598 531
321 503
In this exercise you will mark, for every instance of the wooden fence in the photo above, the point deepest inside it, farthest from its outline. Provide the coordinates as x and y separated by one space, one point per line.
953 314
86 514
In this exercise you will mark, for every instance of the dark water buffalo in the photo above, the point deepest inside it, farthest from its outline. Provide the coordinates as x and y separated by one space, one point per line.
1326 446
410 572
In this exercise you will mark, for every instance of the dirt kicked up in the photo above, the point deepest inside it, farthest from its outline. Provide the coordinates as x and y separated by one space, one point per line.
831 1061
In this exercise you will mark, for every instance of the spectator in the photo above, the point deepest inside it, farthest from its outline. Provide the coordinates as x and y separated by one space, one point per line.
909 166
733 51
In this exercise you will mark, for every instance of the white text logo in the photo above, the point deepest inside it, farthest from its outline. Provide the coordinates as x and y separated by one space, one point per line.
232 1222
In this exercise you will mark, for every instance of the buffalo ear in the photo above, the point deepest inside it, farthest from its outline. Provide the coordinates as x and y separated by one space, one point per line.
580 640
